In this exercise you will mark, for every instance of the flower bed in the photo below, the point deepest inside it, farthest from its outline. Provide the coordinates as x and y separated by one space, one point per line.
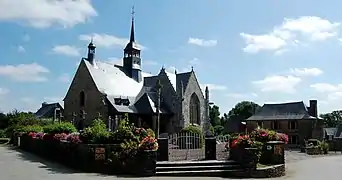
133 151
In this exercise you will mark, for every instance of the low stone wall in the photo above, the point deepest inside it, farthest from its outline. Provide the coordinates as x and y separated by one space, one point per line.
90 157
265 172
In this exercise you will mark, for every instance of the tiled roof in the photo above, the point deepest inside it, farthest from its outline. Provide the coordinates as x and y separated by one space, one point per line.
282 111
110 80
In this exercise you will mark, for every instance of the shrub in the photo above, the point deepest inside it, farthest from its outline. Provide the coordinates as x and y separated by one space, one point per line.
192 129
30 128
96 133
150 132
62 127
123 133
3 133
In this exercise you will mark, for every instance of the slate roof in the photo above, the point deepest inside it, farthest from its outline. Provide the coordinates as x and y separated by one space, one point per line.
113 82
283 111
47 110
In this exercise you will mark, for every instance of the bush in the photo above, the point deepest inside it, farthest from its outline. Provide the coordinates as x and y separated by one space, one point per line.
150 132
3 133
57 128
196 139
30 128
96 133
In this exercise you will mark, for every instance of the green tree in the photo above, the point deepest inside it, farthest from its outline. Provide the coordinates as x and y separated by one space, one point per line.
214 115
243 110
332 119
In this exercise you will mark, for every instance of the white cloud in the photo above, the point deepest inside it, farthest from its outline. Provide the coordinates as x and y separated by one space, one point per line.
45 13
288 34
105 40
64 78
3 91
21 49
284 84
213 87
306 72
66 50
326 87
24 72
202 42
194 61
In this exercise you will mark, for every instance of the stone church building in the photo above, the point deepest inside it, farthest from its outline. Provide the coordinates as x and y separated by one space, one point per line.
108 91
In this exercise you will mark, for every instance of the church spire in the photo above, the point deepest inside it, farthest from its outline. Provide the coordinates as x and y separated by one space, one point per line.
131 39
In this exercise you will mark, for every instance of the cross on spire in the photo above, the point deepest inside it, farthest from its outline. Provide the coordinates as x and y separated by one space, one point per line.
132 13
132 39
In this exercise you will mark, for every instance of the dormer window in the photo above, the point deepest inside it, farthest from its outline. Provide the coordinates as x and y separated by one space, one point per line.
82 99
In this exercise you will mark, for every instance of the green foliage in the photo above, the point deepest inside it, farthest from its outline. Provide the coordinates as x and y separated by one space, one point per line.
332 119
324 146
244 110
214 115
192 129
218 129
151 132
30 128
3 133
97 133
124 132
61 127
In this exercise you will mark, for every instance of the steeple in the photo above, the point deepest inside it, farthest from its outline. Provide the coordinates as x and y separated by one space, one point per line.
131 39
131 60
91 52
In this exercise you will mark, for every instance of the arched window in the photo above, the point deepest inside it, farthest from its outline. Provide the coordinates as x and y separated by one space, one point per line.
82 98
195 110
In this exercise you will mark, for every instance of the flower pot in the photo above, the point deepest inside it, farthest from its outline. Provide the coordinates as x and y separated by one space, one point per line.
145 163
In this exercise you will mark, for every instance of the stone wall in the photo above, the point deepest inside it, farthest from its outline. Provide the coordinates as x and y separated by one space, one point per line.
93 98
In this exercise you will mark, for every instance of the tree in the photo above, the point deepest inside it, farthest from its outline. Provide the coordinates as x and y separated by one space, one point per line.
332 119
214 115
243 110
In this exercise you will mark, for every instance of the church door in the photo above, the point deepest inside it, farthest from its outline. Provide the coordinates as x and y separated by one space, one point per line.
195 112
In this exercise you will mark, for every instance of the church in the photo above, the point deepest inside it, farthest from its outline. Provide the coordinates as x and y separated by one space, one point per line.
169 100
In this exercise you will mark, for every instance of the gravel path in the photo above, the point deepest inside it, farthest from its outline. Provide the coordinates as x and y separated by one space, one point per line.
17 165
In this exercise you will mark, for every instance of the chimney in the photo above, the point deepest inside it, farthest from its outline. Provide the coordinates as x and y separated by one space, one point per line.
313 108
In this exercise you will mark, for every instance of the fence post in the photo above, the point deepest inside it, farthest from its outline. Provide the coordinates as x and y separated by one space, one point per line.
163 150
210 148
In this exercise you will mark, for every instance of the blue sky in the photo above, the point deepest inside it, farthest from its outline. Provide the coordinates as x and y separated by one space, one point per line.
264 51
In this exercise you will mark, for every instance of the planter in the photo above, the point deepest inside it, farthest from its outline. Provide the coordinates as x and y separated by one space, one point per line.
248 158
145 163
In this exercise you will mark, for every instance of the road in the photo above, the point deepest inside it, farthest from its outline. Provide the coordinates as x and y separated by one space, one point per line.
16 165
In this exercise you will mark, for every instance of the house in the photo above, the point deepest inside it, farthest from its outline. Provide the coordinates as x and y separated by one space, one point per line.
51 111
294 118
108 91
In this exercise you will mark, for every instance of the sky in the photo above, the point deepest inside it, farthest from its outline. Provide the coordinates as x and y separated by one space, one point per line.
263 51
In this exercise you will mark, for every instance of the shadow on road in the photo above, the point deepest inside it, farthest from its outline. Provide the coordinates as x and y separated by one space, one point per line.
46 164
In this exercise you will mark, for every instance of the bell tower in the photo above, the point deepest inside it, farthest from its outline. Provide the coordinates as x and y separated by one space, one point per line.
132 60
